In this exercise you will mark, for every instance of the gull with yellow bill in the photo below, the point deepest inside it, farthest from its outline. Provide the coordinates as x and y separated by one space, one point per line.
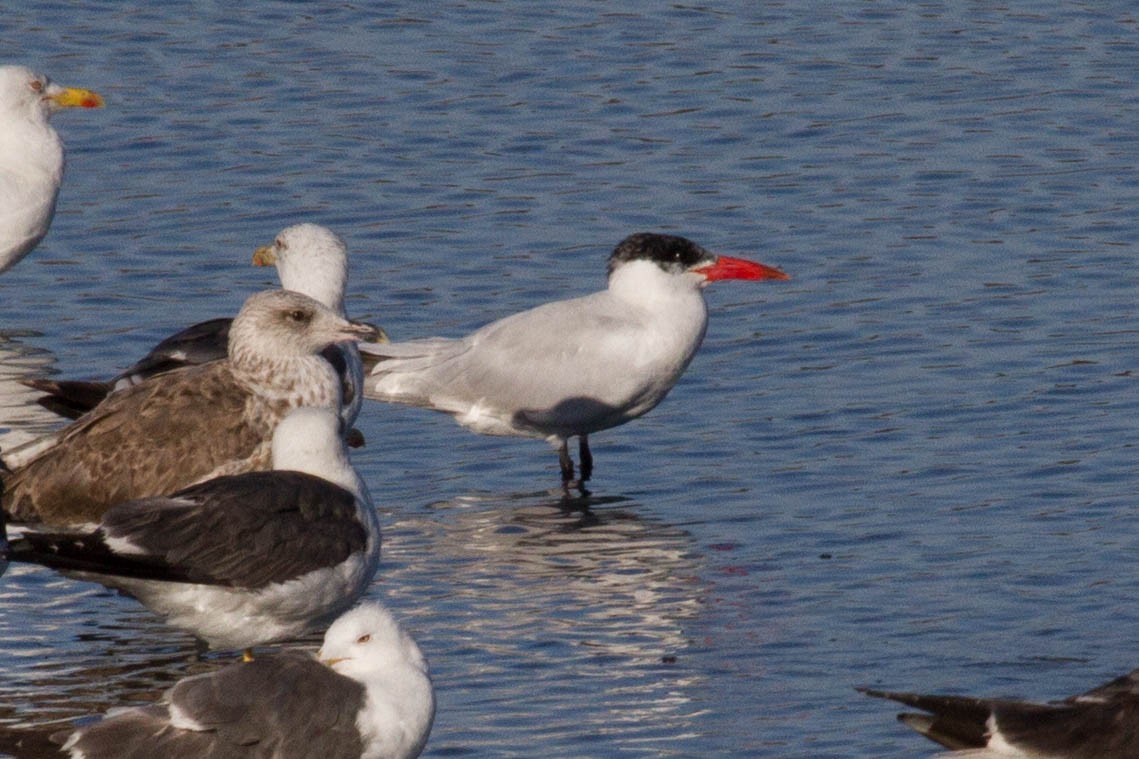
31 156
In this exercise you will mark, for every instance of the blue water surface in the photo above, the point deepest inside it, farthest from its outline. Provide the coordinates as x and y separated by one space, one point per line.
911 466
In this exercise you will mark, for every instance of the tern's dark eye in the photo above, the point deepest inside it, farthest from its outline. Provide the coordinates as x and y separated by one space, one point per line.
364 639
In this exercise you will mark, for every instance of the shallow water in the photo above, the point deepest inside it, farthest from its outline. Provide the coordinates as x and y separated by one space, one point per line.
911 466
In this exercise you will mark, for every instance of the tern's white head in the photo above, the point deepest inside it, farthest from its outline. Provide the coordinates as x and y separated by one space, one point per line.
679 255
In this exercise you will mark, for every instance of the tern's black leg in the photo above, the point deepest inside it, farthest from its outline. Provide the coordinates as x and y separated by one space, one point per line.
201 648
566 462
586 458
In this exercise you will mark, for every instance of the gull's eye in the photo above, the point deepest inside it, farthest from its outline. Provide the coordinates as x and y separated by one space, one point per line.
281 244
364 639
36 85
300 316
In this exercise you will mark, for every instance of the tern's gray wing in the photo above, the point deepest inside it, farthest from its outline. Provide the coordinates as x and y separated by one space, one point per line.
585 363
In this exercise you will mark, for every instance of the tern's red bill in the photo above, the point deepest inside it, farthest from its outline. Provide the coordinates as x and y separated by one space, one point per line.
726 267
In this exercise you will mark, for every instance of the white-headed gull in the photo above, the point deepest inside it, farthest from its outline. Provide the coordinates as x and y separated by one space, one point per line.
309 258
368 694
242 559
31 156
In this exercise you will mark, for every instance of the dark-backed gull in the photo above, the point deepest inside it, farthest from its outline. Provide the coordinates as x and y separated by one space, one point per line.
187 426
571 367
242 559
31 156
1100 724
368 694
309 258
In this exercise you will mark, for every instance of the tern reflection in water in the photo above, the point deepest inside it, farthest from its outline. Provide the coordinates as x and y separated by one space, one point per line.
543 596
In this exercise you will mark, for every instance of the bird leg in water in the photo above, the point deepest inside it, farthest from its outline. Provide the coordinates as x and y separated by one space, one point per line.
568 481
586 458
566 462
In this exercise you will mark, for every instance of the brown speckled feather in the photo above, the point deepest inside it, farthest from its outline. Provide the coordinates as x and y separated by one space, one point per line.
145 441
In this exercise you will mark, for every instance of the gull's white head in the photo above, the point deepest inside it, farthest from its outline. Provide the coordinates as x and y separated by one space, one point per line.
26 95
368 645
367 640
310 259
31 156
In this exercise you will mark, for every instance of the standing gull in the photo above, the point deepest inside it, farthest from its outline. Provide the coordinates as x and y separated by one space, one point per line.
239 560
309 258
31 156
1100 724
187 426
368 695
571 367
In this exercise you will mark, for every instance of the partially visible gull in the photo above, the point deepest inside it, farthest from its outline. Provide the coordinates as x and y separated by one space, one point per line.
310 259
187 426
572 367
31 156
1100 724
239 560
199 343
368 695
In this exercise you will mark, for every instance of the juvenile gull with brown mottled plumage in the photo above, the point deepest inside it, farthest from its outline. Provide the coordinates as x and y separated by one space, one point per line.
187 426
309 258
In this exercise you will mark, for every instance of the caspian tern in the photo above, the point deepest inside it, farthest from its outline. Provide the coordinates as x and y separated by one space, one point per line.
31 156
572 367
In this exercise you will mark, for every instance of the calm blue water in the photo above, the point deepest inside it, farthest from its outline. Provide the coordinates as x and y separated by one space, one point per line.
911 466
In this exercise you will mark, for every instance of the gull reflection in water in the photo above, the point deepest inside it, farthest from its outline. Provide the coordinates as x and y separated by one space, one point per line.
21 418
547 622
72 649
64 651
